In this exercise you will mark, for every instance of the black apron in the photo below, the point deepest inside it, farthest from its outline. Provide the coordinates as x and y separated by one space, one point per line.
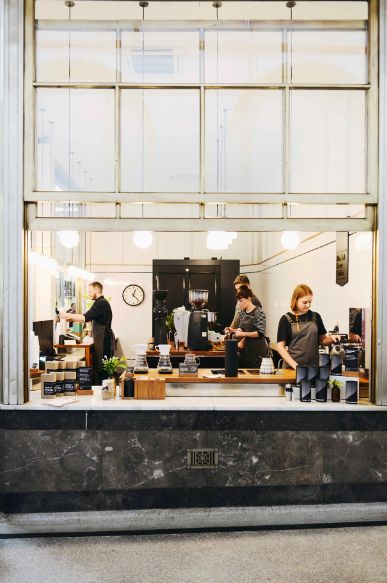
304 341
255 348
102 347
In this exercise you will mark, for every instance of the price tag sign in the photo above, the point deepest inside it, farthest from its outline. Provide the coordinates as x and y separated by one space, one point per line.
85 377
190 369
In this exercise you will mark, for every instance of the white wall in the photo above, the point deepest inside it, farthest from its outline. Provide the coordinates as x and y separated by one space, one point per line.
315 266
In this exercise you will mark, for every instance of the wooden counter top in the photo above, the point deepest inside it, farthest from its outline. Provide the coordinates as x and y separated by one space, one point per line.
173 352
282 377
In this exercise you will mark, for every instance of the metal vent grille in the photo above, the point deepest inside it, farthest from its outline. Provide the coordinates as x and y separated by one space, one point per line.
202 459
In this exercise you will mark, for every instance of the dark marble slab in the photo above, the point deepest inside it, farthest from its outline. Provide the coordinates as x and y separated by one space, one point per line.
355 456
62 460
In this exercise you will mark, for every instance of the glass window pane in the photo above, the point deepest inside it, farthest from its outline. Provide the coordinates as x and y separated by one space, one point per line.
160 140
75 55
328 137
160 57
239 56
329 56
244 141
75 139
331 10
326 211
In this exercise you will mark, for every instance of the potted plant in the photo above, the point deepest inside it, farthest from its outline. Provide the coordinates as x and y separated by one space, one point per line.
335 390
170 324
110 367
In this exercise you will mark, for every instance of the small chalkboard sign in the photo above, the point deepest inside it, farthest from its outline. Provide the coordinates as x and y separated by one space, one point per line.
190 369
69 386
85 377
49 388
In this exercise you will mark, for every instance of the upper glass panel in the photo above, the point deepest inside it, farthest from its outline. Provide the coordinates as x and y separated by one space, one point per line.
75 139
160 140
243 56
328 141
160 57
328 56
63 55
244 140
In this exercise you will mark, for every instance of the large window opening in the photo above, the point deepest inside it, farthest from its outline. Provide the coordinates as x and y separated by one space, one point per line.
190 122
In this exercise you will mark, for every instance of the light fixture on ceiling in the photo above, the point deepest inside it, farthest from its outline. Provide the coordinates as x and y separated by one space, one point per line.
220 239
69 239
77 272
143 239
44 261
290 239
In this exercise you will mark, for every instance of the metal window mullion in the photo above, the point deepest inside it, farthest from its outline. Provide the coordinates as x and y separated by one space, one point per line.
372 100
183 25
202 138
117 139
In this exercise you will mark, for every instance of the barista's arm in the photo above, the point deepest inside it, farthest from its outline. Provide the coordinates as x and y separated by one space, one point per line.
327 339
281 349
72 317
241 334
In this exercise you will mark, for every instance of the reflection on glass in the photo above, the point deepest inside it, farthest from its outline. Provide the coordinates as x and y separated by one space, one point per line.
75 55
329 56
75 139
243 56
160 140
160 57
328 141
244 141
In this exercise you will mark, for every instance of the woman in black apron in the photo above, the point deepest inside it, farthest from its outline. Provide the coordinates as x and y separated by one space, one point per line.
251 330
301 331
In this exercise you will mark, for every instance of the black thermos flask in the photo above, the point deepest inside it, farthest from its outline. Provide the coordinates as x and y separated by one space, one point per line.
231 358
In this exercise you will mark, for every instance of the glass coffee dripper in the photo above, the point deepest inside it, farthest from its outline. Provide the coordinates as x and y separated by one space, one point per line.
164 366
141 363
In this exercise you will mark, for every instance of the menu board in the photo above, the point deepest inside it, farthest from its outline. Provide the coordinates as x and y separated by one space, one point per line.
85 377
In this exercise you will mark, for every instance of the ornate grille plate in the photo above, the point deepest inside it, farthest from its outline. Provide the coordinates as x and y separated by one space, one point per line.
202 459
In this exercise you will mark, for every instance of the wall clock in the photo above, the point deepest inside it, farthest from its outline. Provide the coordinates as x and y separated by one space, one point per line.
133 295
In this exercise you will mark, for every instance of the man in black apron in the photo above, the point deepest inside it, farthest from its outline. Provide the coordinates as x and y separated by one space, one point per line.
100 314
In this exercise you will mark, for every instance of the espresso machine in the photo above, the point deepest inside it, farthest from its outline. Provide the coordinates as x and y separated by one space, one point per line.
160 313
198 320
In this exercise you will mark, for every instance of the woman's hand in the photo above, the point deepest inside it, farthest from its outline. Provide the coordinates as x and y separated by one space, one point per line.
239 333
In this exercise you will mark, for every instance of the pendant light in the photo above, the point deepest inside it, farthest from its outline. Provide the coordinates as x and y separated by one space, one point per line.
290 239
69 239
143 239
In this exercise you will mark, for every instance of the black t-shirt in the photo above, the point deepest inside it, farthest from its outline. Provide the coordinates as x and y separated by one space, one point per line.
285 330
101 312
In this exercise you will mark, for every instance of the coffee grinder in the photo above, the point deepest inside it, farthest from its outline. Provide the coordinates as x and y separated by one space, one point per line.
160 313
198 320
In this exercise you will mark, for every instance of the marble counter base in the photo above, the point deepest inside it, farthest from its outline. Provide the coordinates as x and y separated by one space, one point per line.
184 402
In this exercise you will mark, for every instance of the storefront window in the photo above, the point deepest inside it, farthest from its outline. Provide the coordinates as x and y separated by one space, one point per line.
191 124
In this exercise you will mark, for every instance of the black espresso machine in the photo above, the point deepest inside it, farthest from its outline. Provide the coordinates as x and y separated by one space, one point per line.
198 320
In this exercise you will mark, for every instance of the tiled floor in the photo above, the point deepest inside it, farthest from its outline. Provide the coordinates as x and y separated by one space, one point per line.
338 555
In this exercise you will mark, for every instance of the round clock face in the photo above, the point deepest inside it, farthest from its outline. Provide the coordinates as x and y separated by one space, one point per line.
133 295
